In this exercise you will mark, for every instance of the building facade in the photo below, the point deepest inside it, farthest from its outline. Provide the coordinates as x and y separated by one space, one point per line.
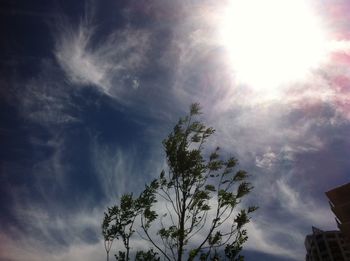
339 199
326 246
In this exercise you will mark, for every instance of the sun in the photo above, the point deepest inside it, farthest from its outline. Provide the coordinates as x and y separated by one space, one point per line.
272 43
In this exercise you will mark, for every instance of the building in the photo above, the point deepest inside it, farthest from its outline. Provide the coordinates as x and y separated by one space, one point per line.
339 199
326 246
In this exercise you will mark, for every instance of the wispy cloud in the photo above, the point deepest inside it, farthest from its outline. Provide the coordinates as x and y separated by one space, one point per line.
57 231
264 237
115 169
109 64
46 227
72 230
46 99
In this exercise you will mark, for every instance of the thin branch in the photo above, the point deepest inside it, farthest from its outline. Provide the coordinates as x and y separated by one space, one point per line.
150 239
171 216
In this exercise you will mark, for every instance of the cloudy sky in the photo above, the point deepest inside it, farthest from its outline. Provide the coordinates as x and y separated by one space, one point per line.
89 89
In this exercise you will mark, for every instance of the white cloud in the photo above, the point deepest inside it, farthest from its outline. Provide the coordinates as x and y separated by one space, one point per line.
267 160
301 206
102 63
284 219
42 245
115 169
46 100
261 238
31 250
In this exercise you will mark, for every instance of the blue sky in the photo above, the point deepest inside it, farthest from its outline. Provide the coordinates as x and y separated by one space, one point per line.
89 89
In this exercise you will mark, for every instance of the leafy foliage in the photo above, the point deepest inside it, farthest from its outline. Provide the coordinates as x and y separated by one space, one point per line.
199 197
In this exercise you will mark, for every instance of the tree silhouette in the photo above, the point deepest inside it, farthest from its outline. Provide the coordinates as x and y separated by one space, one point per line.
190 210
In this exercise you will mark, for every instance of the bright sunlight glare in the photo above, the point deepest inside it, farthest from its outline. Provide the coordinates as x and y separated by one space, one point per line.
272 42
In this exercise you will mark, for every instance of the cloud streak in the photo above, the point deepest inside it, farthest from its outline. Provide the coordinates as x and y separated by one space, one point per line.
107 63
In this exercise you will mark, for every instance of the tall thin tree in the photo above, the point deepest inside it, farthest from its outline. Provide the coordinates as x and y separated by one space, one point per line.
200 196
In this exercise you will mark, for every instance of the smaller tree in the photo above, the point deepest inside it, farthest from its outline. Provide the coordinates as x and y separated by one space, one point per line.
199 198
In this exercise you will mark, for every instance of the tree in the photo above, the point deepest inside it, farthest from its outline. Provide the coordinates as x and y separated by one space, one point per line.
199 197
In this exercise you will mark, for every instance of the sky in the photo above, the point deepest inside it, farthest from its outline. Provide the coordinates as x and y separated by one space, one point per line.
89 89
